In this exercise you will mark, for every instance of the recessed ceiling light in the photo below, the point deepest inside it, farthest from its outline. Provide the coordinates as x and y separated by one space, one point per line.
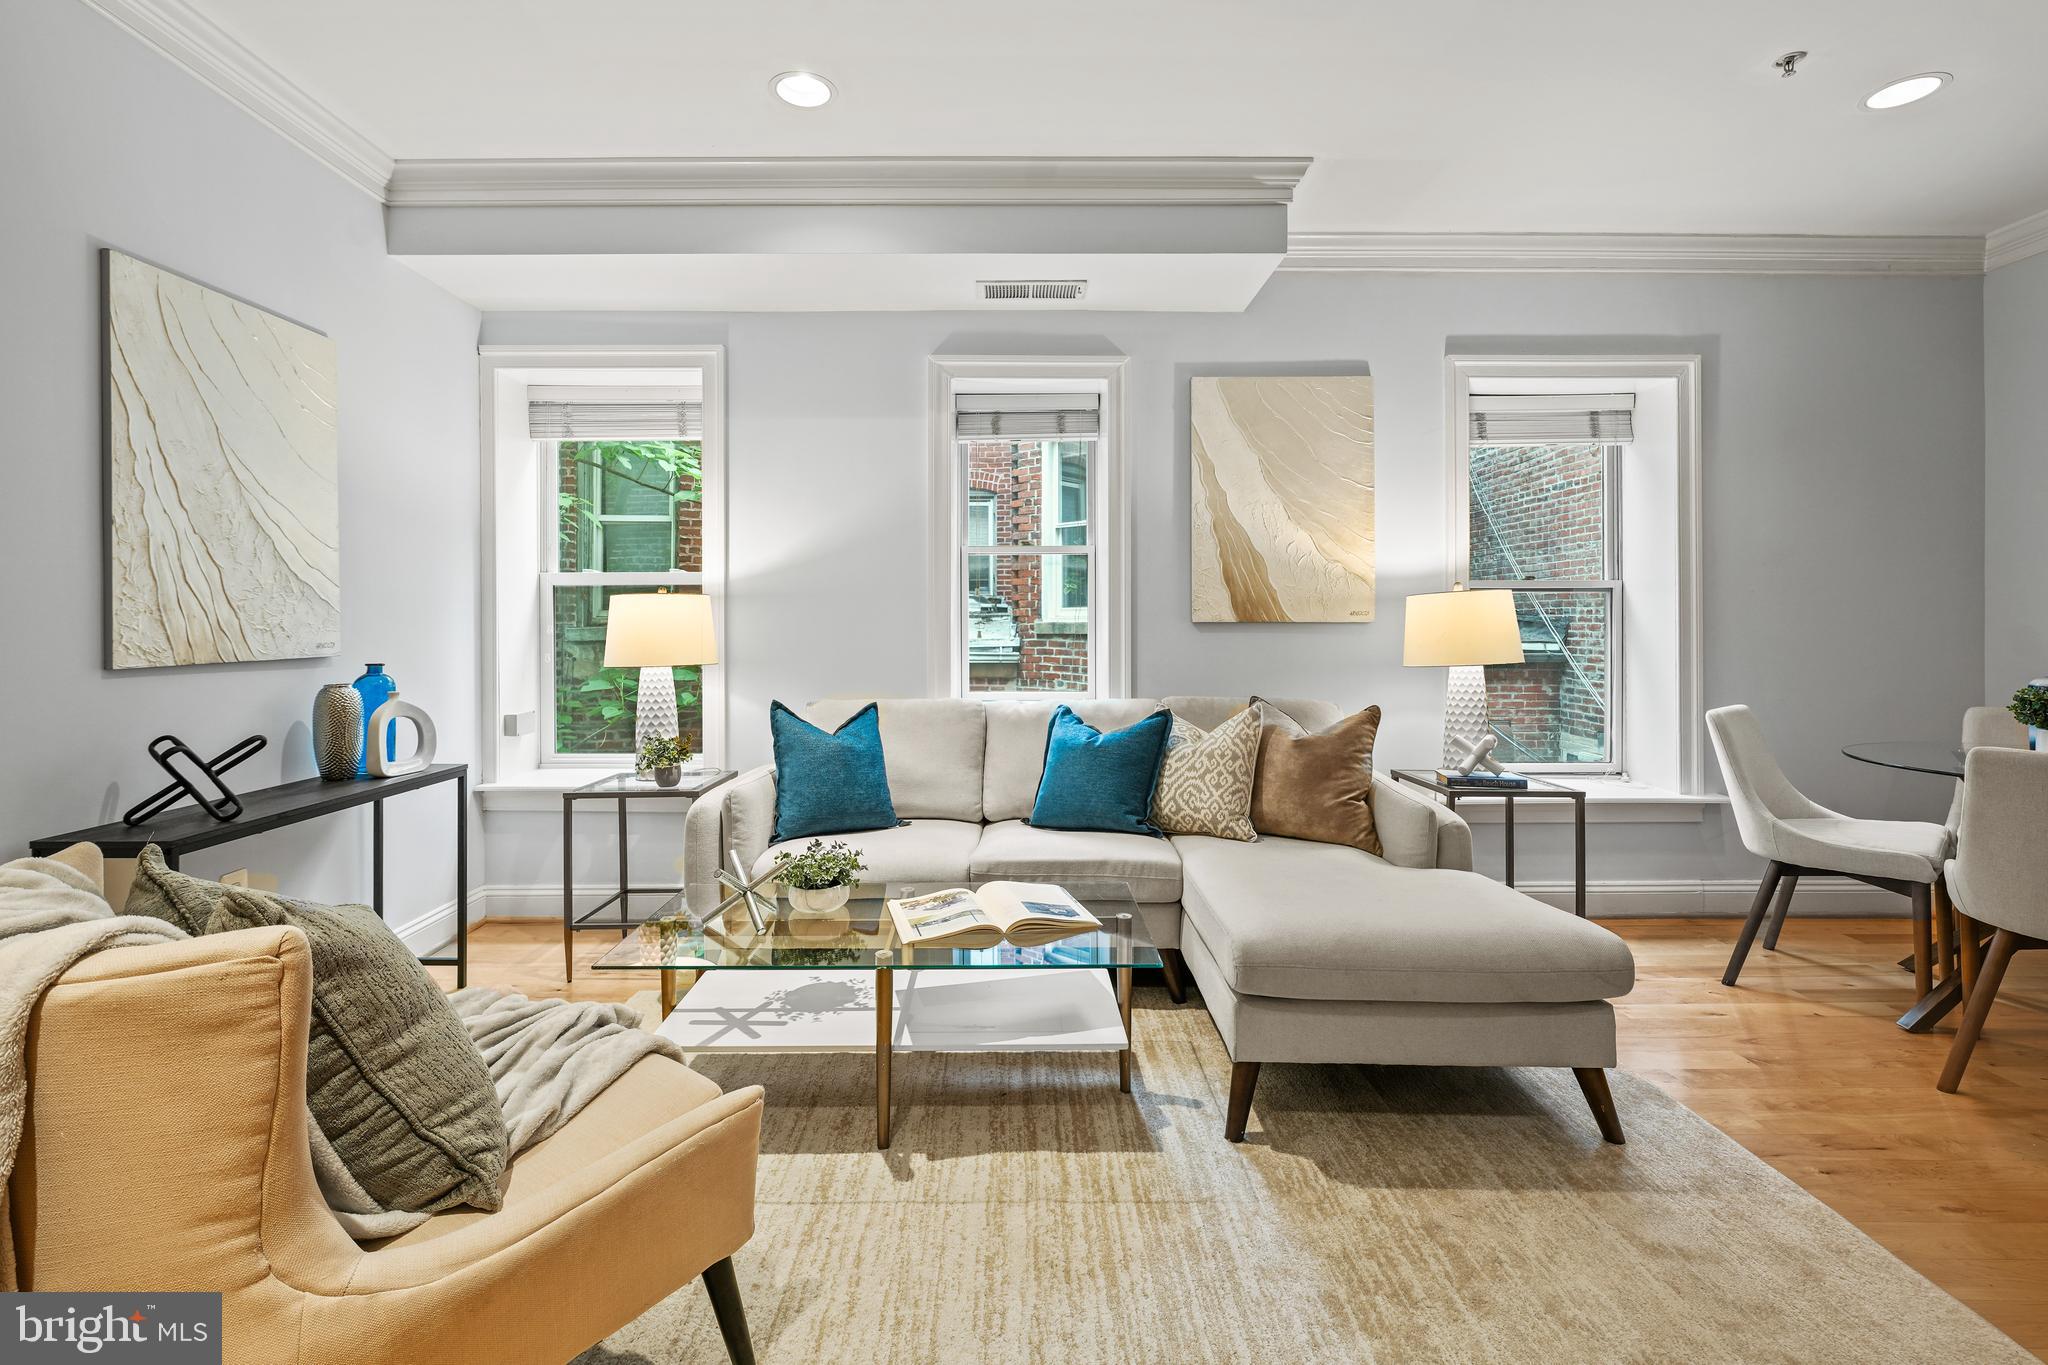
1906 91
804 89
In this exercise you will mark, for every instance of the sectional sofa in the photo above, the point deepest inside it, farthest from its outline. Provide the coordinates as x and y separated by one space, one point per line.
1304 952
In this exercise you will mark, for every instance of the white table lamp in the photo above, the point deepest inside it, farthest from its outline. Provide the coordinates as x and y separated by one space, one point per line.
1462 630
657 632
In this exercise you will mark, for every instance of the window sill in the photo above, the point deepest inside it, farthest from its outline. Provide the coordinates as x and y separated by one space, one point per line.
1609 801
538 789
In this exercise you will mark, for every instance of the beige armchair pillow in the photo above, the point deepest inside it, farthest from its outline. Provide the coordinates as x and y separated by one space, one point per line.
1316 786
1205 785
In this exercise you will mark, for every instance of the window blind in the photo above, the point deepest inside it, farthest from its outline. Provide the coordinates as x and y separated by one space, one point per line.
1525 419
1026 416
592 413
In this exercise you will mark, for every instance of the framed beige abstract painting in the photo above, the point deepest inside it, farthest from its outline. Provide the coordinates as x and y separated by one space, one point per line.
224 516
1282 498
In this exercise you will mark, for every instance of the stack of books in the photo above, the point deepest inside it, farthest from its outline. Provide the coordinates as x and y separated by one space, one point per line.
1451 777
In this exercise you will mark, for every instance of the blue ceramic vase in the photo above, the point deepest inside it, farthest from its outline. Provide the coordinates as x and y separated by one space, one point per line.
375 687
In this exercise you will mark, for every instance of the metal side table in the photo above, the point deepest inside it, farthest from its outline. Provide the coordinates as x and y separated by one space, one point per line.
1537 790
618 788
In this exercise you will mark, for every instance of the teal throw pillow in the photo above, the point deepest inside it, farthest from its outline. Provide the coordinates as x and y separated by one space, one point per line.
1101 781
829 782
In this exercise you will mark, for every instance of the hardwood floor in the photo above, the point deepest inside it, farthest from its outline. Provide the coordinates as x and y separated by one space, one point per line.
1801 1064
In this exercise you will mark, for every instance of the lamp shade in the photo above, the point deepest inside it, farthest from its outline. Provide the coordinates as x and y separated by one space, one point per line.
659 630
1462 627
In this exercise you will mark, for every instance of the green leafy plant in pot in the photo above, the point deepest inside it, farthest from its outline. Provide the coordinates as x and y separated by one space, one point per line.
2030 708
664 758
820 879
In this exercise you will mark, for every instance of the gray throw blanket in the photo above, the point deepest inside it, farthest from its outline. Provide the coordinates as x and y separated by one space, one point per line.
548 1058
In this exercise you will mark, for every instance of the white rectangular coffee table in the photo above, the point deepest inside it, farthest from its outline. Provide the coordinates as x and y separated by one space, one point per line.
841 982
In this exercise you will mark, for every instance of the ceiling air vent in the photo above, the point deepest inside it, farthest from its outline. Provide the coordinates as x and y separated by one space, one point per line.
1025 290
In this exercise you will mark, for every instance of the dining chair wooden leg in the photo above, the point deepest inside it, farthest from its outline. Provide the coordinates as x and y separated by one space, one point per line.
1969 951
1766 889
1779 910
2003 944
1923 940
1944 931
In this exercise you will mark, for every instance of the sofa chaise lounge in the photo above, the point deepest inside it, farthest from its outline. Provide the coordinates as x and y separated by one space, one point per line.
1304 952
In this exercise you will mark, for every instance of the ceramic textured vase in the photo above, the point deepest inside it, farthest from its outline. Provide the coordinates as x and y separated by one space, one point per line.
375 687
385 722
337 731
818 900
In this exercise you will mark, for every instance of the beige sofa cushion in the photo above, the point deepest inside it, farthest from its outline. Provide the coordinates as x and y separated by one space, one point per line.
1210 712
935 851
1312 921
1016 747
1015 851
932 748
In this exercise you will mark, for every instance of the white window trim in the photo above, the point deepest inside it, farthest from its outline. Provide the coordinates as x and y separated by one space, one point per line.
1689 540
1109 635
517 512
1051 593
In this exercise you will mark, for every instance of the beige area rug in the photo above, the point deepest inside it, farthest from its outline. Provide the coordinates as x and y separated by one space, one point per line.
1030 1212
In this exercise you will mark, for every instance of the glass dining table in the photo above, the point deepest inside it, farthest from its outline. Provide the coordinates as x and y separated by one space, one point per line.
1937 758
1934 756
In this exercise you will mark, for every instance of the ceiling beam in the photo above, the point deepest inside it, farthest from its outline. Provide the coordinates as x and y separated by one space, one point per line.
630 182
1659 253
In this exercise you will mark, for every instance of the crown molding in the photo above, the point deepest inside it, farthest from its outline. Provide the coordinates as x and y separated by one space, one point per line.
634 182
2017 241
194 42
1661 253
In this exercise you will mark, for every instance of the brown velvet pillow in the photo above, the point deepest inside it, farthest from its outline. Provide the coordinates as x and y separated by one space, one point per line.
1316 786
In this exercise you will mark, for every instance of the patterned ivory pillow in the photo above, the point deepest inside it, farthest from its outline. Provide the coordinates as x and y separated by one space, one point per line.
1206 785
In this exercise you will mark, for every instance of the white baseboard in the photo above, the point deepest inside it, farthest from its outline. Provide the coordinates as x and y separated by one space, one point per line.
1835 897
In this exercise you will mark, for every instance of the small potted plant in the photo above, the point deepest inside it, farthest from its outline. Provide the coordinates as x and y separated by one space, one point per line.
2030 708
820 879
664 758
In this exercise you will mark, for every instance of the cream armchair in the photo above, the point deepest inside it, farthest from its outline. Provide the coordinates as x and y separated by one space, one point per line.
165 1148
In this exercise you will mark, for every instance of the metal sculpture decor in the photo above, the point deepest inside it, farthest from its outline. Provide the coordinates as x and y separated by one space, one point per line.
195 777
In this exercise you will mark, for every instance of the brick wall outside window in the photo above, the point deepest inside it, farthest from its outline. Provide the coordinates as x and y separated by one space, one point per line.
1053 655
1547 508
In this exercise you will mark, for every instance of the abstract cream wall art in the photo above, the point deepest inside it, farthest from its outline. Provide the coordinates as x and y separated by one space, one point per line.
224 542
1282 498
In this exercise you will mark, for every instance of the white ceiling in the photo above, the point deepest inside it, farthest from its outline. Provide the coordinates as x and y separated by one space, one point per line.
1431 116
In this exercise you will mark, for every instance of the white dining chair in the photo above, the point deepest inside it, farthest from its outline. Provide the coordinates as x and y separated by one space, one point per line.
1983 727
1798 838
1999 876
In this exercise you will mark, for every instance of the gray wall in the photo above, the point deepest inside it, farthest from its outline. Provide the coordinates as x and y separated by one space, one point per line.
108 144
1842 420
2015 475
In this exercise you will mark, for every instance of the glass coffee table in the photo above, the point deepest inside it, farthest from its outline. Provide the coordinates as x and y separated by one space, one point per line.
840 981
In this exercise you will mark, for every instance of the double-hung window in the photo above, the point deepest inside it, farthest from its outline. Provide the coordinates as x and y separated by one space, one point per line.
1030 572
1542 480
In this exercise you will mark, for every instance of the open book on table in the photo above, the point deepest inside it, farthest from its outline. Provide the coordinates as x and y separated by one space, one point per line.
1023 913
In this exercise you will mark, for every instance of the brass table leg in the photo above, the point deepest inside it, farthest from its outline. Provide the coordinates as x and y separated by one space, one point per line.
1123 1004
885 1002
668 993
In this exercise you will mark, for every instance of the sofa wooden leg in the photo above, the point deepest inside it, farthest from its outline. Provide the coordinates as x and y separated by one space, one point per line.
1176 969
1244 1078
724 1288
1593 1082
1764 891
1786 886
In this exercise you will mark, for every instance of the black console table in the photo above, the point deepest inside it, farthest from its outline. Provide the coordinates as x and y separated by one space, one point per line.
189 829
